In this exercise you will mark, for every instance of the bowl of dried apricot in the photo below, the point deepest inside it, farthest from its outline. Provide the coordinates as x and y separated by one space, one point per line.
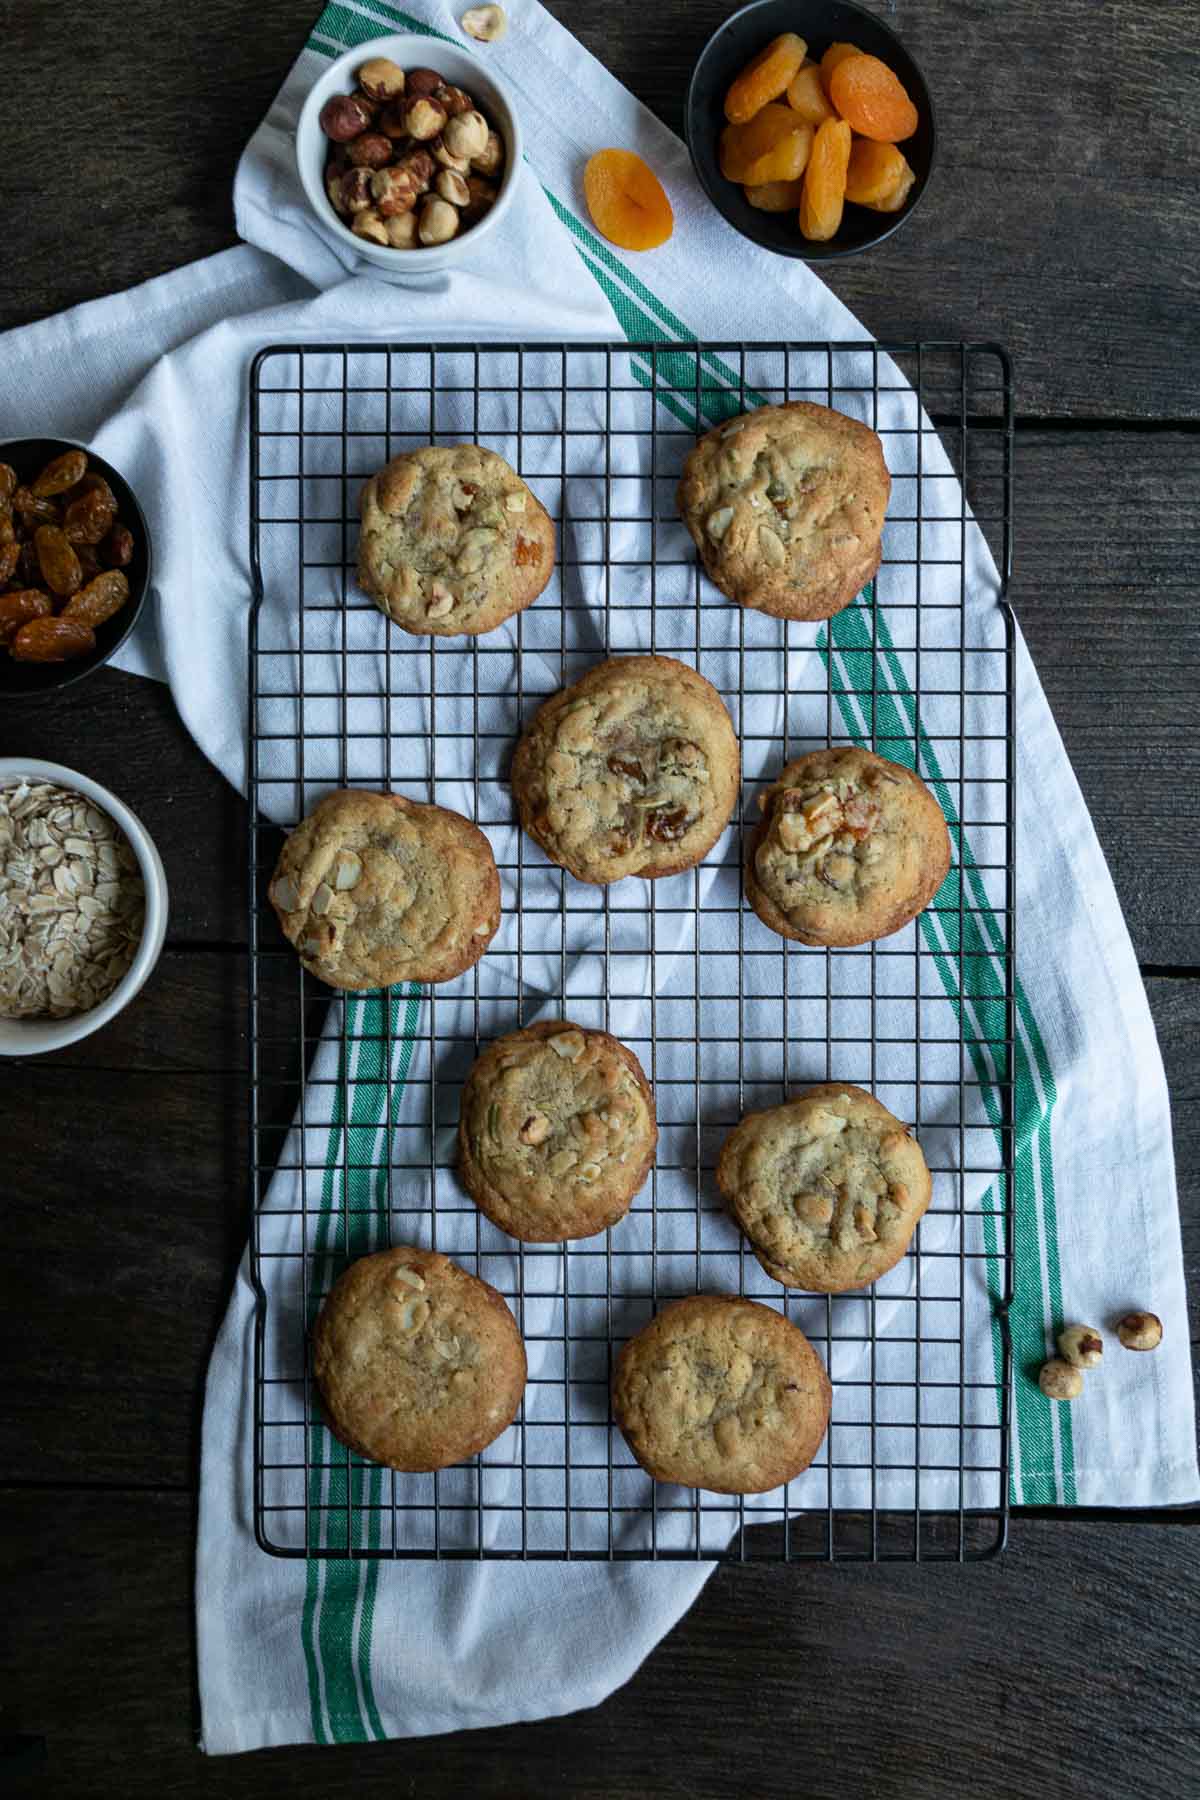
74 563
810 127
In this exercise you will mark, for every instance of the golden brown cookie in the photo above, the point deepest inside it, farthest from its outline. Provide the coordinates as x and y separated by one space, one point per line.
850 848
452 541
374 889
828 1187
633 770
785 505
418 1364
723 1394
557 1132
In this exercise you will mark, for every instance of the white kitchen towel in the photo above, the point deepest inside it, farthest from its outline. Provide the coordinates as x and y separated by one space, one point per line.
312 1649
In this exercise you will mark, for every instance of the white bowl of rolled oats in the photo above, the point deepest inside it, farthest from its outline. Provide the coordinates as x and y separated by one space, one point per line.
83 906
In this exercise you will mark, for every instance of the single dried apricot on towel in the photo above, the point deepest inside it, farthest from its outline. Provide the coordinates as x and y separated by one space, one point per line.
825 181
765 77
806 95
627 201
835 54
872 100
775 196
875 171
773 146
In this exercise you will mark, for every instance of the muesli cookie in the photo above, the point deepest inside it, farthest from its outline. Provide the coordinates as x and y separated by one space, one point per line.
723 1394
785 505
850 848
556 1133
373 889
633 770
828 1187
418 1364
452 541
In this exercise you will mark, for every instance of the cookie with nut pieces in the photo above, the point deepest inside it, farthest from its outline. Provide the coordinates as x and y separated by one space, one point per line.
452 541
557 1132
785 505
418 1364
829 1187
850 847
372 889
722 1394
632 770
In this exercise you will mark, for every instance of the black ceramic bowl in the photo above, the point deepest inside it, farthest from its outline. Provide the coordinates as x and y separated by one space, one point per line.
21 680
820 23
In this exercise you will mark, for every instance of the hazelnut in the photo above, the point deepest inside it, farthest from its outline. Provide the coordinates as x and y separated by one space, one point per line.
370 151
483 198
381 78
440 154
369 225
490 159
424 118
397 189
1140 1331
343 116
422 81
1059 1381
391 119
369 106
486 23
1081 1346
454 99
355 190
466 135
402 231
453 187
438 222
333 185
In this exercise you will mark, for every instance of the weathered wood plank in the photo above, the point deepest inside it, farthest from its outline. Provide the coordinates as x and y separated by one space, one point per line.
1099 1637
1062 218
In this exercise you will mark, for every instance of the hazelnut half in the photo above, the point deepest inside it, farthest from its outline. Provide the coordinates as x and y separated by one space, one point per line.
368 224
1140 1331
453 187
1081 1346
1059 1381
485 23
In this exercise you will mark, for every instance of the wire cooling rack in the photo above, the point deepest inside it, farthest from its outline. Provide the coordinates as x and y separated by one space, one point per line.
354 1105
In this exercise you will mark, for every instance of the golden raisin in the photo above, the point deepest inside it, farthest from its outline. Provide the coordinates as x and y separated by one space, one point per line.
807 96
825 182
60 474
872 100
775 196
57 559
765 77
627 201
875 170
17 609
49 640
774 146
99 600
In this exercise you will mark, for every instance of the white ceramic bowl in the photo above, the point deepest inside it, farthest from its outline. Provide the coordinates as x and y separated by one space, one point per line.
30 1037
465 71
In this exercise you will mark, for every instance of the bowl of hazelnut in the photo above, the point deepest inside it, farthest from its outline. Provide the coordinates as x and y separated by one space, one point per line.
409 152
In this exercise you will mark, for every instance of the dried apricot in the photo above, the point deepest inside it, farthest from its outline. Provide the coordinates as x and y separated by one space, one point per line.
836 53
764 77
627 201
99 600
893 200
806 95
874 171
18 608
775 196
872 100
825 181
59 564
773 146
52 640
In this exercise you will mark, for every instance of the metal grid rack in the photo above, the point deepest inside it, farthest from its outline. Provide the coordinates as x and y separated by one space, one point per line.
354 1105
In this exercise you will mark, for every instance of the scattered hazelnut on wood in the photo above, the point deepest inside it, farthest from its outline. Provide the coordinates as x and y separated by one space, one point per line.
370 151
1081 1346
453 187
369 225
402 230
438 222
343 117
422 81
1140 1331
381 78
486 23
466 134
1059 1381
490 159
424 118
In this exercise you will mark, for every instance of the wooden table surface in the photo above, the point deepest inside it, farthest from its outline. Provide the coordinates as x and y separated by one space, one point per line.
1064 221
